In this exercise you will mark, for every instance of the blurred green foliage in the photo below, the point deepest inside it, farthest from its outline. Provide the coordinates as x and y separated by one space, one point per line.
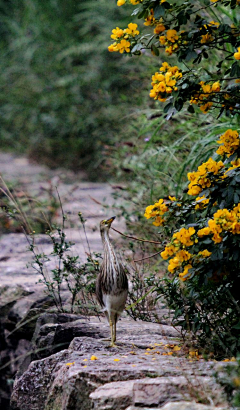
63 95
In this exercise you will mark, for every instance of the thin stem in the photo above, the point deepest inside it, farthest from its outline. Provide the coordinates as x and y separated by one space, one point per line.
147 257
134 238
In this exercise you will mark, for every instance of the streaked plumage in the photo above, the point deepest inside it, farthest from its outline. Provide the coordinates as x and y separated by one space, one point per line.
112 283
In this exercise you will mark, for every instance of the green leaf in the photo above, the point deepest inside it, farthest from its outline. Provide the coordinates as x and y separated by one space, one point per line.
236 198
237 326
155 50
234 69
191 109
166 5
190 55
136 11
178 104
159 11
167 107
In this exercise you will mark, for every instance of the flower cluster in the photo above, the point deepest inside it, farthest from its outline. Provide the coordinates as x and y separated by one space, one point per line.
181 257
208 37
223 221
207 92
176 248
164 82
201 202
229 143
200 179
156 211
123 38
134 2
182 260
171 40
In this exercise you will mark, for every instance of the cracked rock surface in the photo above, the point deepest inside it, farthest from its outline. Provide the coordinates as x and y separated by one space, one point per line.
61 361
144 370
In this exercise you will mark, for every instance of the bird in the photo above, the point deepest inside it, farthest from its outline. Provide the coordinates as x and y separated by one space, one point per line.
112 282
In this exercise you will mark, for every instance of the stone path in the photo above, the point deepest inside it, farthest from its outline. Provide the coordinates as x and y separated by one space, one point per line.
67 365
76 196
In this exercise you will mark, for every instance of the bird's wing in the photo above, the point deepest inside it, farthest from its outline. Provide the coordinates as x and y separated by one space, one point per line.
99 294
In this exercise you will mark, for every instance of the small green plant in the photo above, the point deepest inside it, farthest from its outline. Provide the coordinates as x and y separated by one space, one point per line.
18 209
69 272
228 376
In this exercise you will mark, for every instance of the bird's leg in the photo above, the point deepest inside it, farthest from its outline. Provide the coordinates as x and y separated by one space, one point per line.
113 333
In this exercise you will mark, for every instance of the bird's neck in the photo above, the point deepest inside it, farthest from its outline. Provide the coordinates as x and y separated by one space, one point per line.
109 254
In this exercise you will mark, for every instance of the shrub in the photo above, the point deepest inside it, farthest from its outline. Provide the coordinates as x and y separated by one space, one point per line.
203 228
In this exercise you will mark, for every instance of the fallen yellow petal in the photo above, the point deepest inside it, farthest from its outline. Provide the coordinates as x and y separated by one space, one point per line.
70 364
176 348
94 357
116 360
85 360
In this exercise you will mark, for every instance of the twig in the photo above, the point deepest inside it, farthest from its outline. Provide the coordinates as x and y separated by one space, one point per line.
147 257
136 239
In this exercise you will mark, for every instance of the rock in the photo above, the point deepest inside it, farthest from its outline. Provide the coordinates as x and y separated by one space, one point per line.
90 375
181 405
9 296
184 405
148 391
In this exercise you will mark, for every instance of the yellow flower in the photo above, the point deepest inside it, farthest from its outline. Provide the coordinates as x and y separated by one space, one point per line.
184 236
158 221
161 87
173 264
121 2
168 251
206 38
205 253
230 141
237 55
132 29
159 28
113 47
203 201
117 33
203 232
216 86
150 20
172 35
124 45
184 275
149 212
183 255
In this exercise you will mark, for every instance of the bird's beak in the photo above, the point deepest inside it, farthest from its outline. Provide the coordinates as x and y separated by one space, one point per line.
110 220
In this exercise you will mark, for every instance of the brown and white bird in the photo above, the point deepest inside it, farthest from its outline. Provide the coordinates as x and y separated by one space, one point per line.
112 283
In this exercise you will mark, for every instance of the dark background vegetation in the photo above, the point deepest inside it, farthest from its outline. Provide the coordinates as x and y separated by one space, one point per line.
64 97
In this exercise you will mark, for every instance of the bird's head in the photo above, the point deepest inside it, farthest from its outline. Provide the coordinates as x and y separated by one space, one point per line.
106 223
